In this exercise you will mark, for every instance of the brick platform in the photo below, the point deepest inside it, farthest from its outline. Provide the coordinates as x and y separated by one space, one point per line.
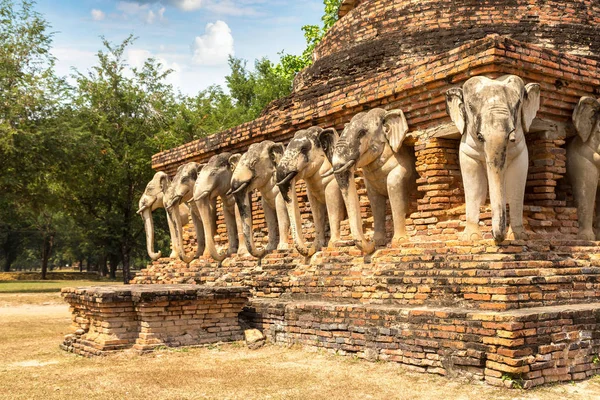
523 348
478 275
115 318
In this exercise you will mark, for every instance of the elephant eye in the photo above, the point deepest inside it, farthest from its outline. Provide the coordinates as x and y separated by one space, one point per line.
362 133
305 149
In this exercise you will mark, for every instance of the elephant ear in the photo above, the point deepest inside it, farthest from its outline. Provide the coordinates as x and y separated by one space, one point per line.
531 105
455 107
234 160
328 138
586 116
395 128
276 152
164 182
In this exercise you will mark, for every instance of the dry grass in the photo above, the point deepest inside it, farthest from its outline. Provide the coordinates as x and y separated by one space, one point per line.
32 366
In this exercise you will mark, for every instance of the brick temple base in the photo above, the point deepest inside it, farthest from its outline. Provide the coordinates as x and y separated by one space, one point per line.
113 318
519 348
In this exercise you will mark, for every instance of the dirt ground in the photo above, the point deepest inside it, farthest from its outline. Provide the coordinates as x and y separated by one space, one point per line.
32 366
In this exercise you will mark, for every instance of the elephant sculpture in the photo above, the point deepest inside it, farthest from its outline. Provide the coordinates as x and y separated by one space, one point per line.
214 181
181 191
304 158
373 141
493 117
256 170
583 165
151 200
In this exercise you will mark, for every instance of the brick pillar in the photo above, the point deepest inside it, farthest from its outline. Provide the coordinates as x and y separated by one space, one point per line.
547 165
440 185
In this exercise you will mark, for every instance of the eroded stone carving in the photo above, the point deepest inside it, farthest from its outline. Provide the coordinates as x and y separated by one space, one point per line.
493 116
583 165
214 181
179 192
373 141
151 200
256 170
305 159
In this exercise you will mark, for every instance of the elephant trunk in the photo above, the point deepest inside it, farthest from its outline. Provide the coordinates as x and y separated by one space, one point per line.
208 220
242 198
497 201
349 193
293 210
178 228
149 228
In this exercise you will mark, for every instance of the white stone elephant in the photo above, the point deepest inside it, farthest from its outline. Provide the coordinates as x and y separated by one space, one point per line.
493 117
255 169
305 159
180 192
151 200
583 165
373 141
214 181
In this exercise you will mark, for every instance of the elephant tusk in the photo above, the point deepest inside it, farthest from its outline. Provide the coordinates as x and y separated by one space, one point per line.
345 167
174 201
327 174
242 187
203 195
288 178
141 210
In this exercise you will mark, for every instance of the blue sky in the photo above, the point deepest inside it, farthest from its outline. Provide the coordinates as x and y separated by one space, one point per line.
193 37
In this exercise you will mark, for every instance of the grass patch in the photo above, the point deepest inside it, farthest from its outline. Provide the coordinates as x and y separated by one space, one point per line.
47 286
52 276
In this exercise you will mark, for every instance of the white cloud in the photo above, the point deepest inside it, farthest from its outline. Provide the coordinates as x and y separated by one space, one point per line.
187 5
150 17
215 46
146 12
98 15
137 57
225 7
229 7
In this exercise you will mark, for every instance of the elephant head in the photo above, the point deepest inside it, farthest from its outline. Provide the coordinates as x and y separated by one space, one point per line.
369 137
180 191
214 180
151 200
586 118
255 169
583 166
302 159
493 116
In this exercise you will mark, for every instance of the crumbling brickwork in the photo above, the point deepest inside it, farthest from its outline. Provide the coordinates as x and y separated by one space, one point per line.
115 318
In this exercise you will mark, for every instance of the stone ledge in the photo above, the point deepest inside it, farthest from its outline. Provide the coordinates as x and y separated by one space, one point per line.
526 347
144 317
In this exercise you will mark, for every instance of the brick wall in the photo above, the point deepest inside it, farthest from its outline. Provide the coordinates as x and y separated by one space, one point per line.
108 319
531 348
419 90
479 275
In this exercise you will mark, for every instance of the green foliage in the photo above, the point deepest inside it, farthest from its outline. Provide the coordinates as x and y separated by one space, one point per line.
74 160
289 64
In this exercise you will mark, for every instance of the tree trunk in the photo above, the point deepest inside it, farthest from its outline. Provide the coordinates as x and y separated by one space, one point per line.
114 262
10 248
46 251
103 267
126 266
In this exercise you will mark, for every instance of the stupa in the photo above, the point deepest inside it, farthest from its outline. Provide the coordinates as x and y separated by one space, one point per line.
523 312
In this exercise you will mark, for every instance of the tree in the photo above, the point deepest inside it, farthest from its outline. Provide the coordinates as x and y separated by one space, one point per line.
289 65
29 147
120 111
